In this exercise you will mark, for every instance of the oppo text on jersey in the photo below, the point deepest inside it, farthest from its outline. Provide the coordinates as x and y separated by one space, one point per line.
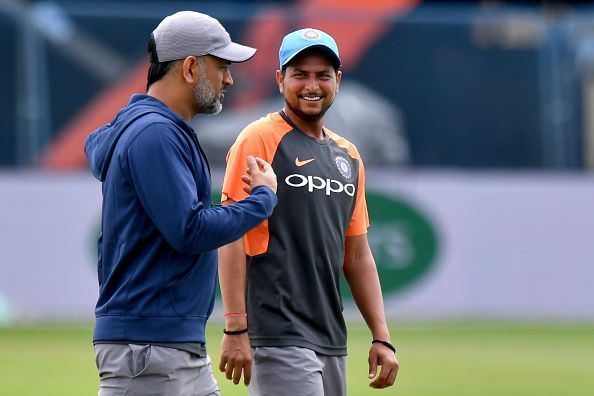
315 182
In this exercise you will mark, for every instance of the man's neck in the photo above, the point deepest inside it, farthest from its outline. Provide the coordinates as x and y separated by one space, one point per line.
168 96
314 129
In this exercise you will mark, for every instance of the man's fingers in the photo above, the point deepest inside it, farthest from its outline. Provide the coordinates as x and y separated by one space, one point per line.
387 376
392 377
247 374
237 375
381 381
247 186
229 370
384 377
222 363
372 365
263 164
252 165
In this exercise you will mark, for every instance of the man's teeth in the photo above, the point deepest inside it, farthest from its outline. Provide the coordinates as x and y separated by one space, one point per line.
311 98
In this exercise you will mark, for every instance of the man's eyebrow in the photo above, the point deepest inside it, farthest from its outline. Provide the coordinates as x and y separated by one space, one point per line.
298 70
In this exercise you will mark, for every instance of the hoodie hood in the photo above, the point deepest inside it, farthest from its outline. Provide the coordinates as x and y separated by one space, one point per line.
101 143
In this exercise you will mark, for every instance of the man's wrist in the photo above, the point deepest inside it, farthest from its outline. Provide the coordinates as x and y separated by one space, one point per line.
380 331
235 323
235 332
238 314
385 343
266 190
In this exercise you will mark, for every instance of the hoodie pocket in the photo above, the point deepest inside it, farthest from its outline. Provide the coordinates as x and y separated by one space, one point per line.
194 293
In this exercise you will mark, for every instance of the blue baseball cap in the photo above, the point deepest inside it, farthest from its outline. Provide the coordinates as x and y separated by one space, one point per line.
300 40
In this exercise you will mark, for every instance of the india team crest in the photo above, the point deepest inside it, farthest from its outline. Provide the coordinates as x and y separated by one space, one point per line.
343 167
311 34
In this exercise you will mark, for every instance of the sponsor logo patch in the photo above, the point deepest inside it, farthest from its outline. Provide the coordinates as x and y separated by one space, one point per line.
343 167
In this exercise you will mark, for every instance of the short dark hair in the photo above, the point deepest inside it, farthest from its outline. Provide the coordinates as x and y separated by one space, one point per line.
157 69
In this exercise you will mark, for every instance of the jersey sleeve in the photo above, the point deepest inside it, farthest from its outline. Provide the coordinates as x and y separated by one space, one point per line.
247 143
259 139
359 222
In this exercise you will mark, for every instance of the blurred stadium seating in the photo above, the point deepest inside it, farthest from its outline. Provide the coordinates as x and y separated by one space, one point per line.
427 84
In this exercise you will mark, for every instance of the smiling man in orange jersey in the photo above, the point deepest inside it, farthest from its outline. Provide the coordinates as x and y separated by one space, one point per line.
293 305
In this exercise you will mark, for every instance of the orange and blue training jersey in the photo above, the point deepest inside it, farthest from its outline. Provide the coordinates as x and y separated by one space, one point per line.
294 259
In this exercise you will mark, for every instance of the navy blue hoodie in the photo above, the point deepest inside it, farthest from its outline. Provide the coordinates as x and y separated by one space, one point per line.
157 251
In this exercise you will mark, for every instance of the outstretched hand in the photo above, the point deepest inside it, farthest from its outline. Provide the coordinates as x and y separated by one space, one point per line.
259 173
380 355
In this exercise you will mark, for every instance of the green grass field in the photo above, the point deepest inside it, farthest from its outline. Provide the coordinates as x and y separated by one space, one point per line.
436 359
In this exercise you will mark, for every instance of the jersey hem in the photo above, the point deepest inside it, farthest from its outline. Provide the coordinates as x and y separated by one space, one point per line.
288 342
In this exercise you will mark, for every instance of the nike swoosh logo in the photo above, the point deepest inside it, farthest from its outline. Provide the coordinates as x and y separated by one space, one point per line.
301 163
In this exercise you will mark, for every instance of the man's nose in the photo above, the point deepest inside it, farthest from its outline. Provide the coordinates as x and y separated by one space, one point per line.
228 79
311 84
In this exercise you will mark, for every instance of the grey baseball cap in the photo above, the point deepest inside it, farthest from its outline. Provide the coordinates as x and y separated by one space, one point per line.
189 33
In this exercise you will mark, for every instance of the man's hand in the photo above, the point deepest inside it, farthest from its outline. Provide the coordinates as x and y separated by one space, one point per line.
380 355
259 173
236 357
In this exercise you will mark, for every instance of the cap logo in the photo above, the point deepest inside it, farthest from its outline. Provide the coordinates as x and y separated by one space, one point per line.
311 34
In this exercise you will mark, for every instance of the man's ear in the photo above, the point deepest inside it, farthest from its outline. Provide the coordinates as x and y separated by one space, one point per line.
338 77
190 70
279 80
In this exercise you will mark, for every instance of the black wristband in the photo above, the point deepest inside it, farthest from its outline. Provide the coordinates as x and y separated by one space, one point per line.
235 332
386 344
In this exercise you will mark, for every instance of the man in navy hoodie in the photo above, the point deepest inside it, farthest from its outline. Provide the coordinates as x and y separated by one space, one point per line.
157 251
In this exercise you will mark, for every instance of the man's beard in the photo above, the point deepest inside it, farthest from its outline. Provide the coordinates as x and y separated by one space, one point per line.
309 117
207 101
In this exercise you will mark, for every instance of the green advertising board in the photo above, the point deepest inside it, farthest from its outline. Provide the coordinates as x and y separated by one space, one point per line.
402 238
403 241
